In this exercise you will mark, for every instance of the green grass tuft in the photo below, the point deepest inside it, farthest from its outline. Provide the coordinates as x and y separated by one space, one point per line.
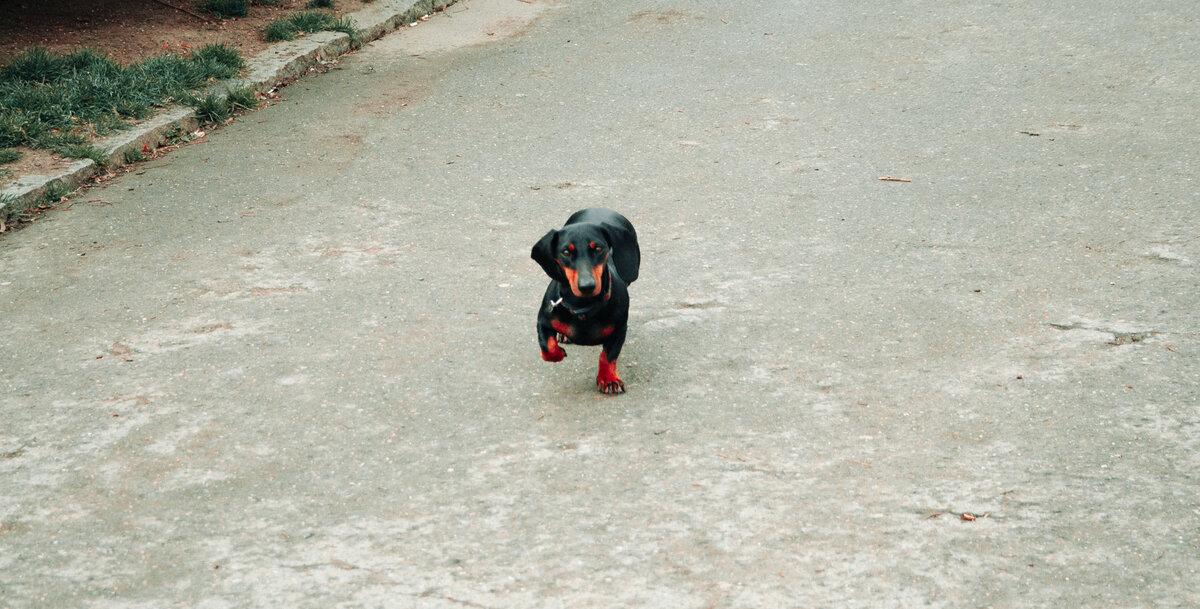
346 26
211 108
309 21
83 151
134 155
280 29
219 61
224 9
58 142
55 192
8 155
241 99
34 65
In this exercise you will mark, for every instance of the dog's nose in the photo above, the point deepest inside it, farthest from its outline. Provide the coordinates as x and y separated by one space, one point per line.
586 284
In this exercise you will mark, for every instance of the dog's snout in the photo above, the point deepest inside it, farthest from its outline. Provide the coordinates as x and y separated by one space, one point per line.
586 283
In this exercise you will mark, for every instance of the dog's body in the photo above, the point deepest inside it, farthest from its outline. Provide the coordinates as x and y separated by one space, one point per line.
590 261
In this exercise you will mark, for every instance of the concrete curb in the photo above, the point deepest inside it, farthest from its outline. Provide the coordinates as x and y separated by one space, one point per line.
279 63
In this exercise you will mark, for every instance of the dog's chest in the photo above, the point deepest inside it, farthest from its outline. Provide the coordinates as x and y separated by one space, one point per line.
582 332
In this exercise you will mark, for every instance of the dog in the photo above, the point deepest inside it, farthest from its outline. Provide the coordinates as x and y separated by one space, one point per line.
591 261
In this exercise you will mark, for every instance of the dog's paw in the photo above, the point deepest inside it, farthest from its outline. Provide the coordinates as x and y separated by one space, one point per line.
610 386
607 380
553 352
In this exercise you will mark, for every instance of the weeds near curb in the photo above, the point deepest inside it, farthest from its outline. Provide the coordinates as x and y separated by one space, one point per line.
214 108
56 101
83 151
55 192
241 99
219 61
292 27
134 156
211 109
279 30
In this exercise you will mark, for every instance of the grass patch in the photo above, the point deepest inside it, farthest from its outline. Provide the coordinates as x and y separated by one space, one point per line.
292 27
219 60
319 4
217 108
241 99
57 101
211 109
82 151
71 146
134 156
7 156
224 9
279 30
55 192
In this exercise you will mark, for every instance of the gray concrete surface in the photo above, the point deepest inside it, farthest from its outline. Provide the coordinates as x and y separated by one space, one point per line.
296 367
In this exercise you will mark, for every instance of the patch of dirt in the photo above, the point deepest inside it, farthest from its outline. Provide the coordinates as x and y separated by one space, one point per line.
130 30
35 162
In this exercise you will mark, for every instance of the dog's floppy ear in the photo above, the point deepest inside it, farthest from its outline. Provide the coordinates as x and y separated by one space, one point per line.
544 254
627 257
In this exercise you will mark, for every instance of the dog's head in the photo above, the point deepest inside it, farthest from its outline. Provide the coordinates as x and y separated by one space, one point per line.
578 255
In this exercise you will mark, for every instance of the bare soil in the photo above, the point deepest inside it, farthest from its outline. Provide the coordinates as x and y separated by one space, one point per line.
132 30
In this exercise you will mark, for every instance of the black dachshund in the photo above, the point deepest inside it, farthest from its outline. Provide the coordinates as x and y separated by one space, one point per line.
590 262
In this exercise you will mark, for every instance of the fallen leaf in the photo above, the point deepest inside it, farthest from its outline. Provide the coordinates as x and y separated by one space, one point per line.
122 352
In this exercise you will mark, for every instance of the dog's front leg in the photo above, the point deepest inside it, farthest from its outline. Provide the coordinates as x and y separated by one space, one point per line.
547 340
607 380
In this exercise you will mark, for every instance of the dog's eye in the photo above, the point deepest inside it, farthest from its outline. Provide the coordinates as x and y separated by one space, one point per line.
596 248
568 251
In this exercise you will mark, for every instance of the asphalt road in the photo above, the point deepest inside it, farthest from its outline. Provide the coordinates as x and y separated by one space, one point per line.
295 366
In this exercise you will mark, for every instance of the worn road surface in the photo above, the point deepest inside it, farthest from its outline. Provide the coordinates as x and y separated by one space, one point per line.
295 366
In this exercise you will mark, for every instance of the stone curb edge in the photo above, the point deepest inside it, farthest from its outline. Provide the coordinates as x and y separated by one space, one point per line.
279 63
